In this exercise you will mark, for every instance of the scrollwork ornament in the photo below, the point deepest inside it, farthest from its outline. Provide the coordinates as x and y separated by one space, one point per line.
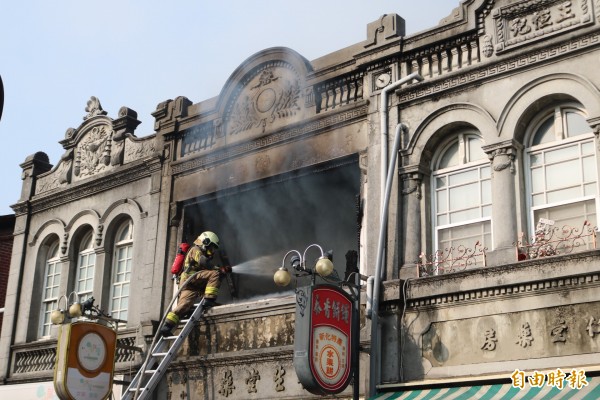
487 48
63 247
93 108
302 300
99 235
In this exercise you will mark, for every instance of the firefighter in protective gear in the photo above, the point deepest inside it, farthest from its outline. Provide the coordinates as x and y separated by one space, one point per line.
205 282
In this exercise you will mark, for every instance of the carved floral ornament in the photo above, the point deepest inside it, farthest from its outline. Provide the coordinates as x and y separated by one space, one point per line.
273 94
96 147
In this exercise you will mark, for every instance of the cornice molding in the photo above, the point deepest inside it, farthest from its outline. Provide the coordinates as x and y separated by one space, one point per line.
476 75
234 358
92 187
311 128
533 287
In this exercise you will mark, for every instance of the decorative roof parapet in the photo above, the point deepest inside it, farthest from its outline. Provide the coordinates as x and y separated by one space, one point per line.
100 144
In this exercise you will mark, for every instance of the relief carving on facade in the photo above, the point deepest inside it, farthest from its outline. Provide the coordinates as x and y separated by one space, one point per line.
92 154
227 386
93 108
135 150
302 300
558 331
525 336
412 184
489 341
593 327
253 376
531 20
278 379
487 48
99 234
252 333
273 94
503 158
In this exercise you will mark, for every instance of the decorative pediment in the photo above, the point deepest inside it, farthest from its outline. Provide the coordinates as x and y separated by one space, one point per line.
265 94
268 100
100 144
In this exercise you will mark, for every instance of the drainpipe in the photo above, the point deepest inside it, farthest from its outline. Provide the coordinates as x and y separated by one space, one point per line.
387 177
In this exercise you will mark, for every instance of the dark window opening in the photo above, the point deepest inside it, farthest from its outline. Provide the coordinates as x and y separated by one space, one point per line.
258 223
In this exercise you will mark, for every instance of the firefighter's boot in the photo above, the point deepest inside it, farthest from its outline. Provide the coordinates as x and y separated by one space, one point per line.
170 323
209 302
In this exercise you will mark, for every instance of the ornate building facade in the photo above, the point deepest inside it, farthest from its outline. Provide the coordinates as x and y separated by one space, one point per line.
490 264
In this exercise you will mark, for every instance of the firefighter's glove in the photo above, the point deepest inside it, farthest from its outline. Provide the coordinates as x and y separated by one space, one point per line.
225 269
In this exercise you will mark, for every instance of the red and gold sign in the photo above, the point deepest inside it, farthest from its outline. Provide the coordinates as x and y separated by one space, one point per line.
322 356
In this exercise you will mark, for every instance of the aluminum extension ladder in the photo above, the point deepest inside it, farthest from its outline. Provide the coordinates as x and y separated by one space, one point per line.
158 359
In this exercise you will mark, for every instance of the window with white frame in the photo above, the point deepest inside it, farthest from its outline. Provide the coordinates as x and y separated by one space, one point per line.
86 263
562 182
50 290
462 198
121 271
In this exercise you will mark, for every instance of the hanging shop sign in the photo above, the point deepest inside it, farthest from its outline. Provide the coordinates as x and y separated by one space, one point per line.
323 337
85 359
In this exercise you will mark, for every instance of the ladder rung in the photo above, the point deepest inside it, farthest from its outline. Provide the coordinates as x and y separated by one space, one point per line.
167 349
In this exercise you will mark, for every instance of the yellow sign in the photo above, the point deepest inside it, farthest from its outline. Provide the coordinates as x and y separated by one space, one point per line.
85 359
557 378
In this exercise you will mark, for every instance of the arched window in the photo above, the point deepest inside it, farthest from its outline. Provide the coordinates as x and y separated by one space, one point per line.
50 290
562 182
121 271
84 277
462 196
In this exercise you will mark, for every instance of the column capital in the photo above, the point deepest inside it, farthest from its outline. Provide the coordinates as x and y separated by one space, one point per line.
502 155
594 123
506 147
413 171
411 183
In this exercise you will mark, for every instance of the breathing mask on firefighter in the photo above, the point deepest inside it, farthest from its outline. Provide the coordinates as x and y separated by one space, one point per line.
208 242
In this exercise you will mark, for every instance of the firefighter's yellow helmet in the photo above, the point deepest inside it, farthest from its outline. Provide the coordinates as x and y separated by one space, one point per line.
207 239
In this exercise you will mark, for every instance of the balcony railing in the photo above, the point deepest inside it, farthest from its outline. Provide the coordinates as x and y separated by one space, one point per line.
452 260
550 240
40 357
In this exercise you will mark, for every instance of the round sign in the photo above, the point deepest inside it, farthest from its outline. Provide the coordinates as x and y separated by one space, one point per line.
91 352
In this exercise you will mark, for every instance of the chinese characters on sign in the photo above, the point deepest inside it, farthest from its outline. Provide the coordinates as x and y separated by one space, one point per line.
557 378
331 336
323 339
542 19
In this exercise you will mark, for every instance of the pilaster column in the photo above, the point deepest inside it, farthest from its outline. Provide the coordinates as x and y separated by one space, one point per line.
504 205
411 228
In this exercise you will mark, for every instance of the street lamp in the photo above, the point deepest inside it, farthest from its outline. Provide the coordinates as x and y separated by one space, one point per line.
76 310
62 315
323 266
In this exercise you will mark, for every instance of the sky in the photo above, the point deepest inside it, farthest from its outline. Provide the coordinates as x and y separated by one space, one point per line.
55 55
